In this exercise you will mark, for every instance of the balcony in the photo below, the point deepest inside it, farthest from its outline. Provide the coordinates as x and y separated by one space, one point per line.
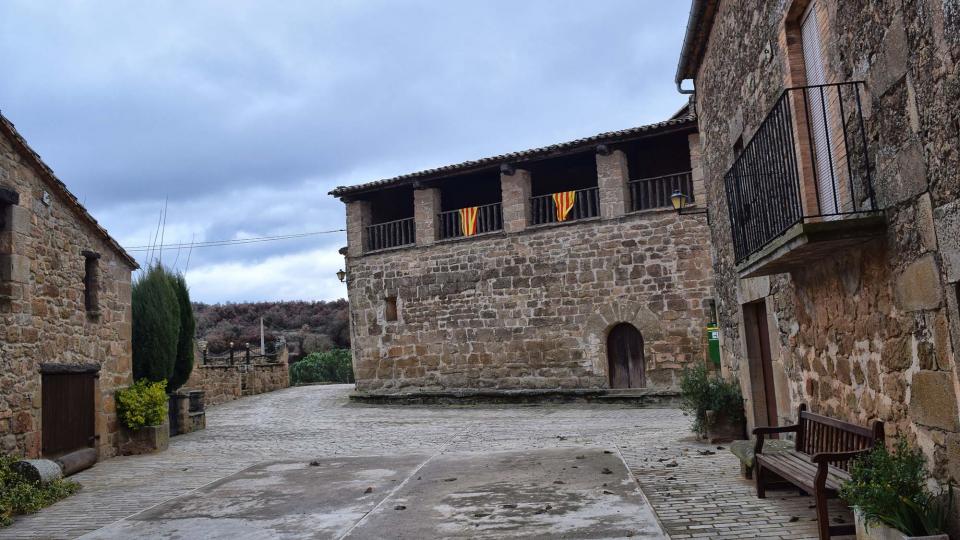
470 221
391 234
652 193
803 188
584 203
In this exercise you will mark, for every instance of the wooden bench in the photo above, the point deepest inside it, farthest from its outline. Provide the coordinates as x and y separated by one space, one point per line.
819 464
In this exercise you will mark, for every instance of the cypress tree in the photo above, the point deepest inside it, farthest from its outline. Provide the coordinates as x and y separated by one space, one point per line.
188 327
156 325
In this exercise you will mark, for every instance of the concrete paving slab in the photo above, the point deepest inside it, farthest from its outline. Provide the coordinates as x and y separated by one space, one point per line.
550 493
572 492
291 500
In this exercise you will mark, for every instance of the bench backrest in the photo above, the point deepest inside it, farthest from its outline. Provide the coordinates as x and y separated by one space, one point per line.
824 434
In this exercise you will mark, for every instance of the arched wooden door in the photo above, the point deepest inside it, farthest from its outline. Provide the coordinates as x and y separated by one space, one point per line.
625 356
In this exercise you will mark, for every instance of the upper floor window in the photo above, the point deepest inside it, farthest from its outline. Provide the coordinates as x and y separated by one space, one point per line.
391 219
91 282
8 199
564 189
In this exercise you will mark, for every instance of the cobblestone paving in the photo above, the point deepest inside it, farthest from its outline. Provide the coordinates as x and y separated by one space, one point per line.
702 497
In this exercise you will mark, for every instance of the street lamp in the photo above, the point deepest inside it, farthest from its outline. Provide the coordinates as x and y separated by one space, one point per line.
341 275
679 201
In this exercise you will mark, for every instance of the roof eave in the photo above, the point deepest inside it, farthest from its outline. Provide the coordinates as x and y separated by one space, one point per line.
699 24
525 156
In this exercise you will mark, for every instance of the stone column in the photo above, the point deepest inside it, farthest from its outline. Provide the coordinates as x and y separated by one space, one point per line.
515 194
426 206
696 170
358 219
612 178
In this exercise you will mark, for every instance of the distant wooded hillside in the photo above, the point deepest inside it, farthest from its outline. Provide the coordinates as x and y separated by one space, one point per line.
307 326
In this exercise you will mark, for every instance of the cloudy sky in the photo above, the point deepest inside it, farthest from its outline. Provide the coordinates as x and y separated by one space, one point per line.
243 115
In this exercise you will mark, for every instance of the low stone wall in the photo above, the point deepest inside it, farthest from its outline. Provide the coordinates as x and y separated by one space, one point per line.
226 383
265 378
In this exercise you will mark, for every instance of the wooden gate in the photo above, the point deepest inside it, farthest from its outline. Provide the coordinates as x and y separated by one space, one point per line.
68 411
625 357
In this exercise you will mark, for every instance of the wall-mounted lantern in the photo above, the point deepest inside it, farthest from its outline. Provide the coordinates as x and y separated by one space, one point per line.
679 200
341 275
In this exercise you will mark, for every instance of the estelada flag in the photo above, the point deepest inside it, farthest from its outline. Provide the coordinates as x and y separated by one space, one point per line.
563 202
468 220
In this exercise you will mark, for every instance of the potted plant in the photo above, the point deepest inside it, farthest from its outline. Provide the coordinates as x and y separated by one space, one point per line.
891 499
716 405
142 409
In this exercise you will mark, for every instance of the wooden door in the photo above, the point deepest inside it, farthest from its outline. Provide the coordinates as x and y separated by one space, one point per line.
625 357
766 362
68 412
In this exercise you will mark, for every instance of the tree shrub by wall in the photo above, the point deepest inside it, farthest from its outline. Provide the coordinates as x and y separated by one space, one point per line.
156 325
142 404
701 392
333 366
183 365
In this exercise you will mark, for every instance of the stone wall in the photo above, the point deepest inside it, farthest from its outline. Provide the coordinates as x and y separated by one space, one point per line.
43 316
870 332
531 309
222 383
219 383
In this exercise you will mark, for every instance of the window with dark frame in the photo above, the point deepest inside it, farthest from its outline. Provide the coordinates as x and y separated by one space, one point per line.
91 282
390 311
8 199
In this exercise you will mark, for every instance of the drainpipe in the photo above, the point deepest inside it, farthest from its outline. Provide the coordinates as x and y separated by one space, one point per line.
685 91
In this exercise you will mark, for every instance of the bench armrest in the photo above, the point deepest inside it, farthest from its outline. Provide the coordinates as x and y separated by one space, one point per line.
761 431
826 457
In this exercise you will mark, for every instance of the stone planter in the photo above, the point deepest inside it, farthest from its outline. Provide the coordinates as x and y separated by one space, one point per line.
721 428
879 531
146 440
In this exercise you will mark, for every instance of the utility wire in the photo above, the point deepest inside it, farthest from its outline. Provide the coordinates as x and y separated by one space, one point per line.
238 241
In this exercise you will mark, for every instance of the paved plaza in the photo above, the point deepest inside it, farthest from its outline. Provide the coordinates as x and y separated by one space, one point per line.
695 489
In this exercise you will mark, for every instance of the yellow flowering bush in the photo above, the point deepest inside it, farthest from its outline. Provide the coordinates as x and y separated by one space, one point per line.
143 404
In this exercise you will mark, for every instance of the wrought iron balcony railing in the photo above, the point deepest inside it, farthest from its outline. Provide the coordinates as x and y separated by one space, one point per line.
807 161
586 204
655 192
488 218
391 234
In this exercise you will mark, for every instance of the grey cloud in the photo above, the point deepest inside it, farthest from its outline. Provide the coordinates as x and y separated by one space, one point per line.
245 114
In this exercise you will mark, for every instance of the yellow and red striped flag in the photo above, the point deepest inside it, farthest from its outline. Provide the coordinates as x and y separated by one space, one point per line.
468 220
563 202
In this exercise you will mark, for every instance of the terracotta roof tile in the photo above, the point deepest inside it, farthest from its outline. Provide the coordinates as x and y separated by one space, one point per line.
682 119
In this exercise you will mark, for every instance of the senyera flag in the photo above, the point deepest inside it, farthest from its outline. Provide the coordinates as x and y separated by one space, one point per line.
563 202
468 220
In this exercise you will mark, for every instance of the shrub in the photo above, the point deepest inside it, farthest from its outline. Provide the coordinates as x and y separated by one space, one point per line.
183 365
20 496
143 404
891 488
156 325
334 366
700 392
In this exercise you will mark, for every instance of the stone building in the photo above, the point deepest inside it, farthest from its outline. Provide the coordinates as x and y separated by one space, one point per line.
830 152
562 269
64 313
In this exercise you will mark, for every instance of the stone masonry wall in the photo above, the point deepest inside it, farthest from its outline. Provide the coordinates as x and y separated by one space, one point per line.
43 318
225 383
531 309
872 332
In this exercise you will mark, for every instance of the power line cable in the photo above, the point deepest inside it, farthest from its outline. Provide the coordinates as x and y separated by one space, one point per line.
238 241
